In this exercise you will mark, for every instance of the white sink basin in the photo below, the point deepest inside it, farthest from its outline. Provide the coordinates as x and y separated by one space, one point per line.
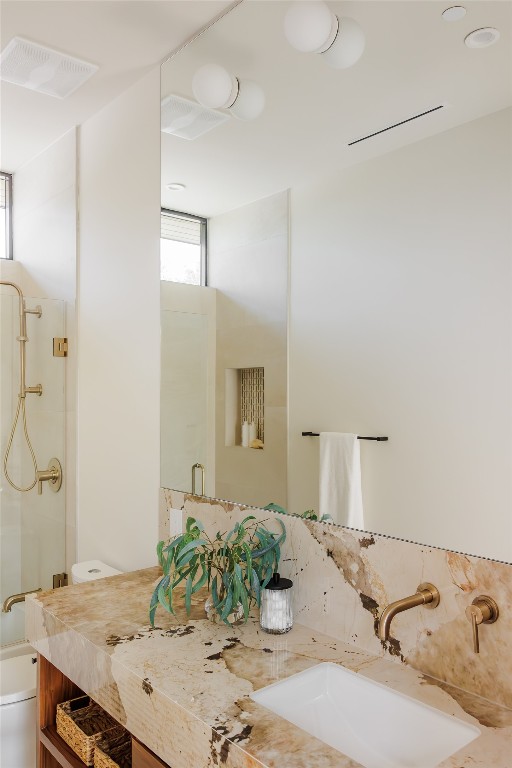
365 720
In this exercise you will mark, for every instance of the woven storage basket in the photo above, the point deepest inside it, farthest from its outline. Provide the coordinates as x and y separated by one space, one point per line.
114 749
81 723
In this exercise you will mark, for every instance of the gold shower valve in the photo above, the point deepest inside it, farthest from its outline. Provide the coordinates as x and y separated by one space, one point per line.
53 475
483 610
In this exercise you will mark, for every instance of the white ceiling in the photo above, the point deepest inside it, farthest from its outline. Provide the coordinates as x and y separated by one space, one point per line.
126 38
413 61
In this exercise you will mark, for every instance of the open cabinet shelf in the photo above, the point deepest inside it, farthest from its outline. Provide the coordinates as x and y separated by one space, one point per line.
53 687
50 740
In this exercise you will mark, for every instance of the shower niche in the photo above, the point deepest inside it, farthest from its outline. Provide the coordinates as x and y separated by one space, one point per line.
245 407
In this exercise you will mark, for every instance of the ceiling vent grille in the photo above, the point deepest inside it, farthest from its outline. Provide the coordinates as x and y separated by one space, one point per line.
187 119
42 69
395 125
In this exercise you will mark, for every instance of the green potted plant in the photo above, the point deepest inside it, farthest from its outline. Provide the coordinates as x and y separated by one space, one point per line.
235 566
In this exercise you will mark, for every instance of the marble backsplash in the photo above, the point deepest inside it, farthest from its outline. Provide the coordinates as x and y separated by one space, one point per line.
343 580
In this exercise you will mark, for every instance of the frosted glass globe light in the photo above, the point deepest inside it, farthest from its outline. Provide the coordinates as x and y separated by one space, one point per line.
250 101
348 45
308 25
214 87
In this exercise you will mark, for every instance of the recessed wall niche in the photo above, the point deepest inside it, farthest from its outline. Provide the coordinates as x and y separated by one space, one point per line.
244 413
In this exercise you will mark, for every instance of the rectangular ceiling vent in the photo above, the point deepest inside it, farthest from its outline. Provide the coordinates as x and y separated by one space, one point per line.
187 119
42 69
395 125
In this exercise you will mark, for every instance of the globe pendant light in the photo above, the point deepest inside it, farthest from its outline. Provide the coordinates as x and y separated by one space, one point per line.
310 26
214 87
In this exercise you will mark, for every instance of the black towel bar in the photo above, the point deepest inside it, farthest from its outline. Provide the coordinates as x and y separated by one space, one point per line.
359 437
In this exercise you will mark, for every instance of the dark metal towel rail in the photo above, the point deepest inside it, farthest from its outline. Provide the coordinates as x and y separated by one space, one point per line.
359 437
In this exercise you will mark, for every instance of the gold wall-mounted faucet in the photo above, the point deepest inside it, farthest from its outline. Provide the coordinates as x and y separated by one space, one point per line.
426 594
483 610
19 598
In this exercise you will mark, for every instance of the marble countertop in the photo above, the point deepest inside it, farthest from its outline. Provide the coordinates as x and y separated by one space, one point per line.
183 688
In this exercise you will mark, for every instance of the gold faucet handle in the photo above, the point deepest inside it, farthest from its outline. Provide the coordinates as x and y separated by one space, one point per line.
53 475
483 610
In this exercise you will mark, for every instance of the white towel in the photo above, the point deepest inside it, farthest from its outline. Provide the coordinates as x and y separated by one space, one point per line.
340 479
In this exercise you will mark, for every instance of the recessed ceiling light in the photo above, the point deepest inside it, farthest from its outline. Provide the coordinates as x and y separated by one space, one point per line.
482 38
176 187
454 13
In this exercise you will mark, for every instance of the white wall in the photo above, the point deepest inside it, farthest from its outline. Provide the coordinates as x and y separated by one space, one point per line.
248 265
44 220
118 314
400 324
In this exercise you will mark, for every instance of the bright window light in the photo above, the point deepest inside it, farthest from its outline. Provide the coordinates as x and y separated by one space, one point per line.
182 248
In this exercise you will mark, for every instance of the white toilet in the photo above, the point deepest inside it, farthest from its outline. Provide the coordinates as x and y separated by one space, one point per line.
18 676
90 570
18 710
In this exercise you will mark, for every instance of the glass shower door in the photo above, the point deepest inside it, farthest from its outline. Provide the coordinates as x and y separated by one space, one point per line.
187 393
32 526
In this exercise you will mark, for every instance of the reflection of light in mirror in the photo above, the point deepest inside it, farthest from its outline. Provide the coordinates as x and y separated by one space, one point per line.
455 13
214 87
180 262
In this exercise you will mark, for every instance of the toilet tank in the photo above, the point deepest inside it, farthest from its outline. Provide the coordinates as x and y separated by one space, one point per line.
91 570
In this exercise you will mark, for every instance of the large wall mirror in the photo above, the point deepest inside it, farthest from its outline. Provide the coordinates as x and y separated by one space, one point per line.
354 286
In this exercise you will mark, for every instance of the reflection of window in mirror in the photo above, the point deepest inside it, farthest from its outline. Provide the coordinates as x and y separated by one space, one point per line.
182 248
5 215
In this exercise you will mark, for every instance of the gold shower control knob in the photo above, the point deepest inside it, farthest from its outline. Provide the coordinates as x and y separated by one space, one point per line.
483 610
53 475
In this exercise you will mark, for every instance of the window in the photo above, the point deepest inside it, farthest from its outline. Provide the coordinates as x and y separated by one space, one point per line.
5 215
182 248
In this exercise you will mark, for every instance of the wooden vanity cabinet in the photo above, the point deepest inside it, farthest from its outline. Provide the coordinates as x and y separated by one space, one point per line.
142 757
53 688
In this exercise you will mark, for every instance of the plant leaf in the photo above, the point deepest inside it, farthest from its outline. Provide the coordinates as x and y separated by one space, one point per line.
190 557
237 585
191 523
248 559
153 605
244 600
188 595
215 596
227 606
174 543
165 595
191 545
275 508
255 585
202 580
